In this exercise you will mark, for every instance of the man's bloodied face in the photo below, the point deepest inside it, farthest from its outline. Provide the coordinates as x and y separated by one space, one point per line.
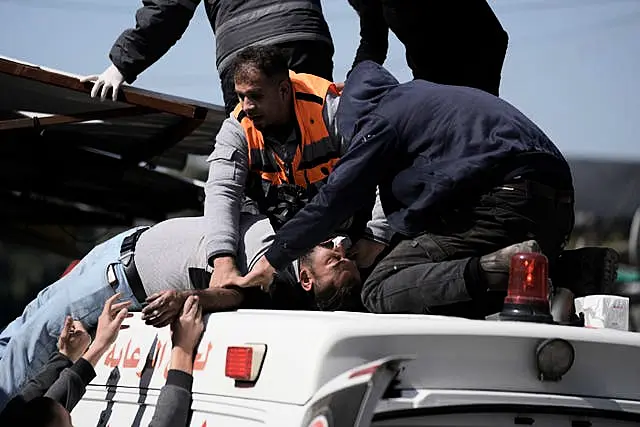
333 278
266 101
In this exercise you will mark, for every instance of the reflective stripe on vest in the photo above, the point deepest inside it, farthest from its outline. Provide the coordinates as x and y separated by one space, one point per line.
316 154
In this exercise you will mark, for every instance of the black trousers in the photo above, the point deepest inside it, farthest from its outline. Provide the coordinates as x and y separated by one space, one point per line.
426 274
450 42
305 56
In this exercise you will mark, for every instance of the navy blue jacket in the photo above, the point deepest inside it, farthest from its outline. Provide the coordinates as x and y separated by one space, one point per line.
422 143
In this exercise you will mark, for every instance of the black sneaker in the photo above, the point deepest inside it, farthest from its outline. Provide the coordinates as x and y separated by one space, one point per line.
587 271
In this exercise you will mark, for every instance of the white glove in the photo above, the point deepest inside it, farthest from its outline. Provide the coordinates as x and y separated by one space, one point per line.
111 78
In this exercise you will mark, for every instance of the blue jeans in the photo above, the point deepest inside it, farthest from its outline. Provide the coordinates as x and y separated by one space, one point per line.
27 343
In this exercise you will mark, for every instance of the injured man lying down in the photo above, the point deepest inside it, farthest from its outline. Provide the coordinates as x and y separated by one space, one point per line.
169 265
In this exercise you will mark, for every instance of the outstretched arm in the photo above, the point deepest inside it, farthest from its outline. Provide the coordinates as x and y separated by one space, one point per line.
374 32
159 25
352 182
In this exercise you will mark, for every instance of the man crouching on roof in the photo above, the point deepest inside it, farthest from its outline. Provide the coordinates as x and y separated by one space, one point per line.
465 180
155 270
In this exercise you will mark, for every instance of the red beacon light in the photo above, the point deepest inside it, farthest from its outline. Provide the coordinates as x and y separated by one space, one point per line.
528 293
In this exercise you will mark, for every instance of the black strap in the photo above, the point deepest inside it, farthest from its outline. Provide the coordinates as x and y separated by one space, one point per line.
310 97
127 259
129 242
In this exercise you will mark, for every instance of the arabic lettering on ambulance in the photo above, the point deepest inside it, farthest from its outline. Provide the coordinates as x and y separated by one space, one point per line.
131 357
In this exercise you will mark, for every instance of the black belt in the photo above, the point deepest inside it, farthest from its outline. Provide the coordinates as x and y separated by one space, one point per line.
541 190
127 251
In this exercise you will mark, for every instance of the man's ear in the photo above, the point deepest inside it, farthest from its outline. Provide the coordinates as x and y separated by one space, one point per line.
305 280
285 89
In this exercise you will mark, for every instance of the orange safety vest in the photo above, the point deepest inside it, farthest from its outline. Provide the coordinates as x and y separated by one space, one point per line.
281 189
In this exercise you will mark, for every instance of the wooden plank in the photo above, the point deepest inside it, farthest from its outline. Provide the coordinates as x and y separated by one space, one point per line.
126 94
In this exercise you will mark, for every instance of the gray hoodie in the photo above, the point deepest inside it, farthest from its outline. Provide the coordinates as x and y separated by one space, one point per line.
228 170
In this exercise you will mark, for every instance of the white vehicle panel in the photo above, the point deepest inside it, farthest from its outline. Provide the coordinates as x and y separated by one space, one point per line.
482 360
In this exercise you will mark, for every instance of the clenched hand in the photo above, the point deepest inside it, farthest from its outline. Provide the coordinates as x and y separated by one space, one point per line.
225 273
187 328
163 308
74 339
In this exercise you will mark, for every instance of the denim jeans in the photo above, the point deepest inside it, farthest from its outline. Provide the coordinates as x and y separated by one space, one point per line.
426 274
27 343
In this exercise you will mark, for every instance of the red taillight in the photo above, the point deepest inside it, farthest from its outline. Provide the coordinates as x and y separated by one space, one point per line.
239 362
244 362
528 279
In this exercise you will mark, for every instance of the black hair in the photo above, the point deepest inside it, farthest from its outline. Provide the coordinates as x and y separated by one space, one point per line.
306 260
269 60
39 412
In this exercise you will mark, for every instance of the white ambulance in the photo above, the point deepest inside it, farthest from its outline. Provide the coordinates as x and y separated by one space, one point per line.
315 369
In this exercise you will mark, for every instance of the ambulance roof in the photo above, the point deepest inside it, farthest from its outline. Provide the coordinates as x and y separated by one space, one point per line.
307 349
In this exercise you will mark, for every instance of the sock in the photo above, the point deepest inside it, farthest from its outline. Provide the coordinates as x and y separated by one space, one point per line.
479 281
474 279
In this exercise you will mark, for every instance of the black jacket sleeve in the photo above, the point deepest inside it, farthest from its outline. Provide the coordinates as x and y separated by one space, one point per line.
374 32
174 401
72 383
38 385
351 184
159 25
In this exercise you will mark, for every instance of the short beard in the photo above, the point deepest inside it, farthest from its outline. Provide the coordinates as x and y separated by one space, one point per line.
343 298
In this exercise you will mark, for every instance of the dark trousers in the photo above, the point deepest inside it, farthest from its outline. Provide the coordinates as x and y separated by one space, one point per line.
428 274
305 56
449 42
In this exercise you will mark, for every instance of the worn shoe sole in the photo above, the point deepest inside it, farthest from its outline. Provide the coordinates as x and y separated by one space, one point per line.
500 261
587 271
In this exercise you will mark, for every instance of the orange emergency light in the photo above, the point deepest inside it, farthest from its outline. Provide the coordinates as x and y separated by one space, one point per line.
528 293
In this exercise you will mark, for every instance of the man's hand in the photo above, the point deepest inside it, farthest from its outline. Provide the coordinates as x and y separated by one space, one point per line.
163 308
109 325
188 327
340 86
225 273
261 276
74 339
365 252
110 321
111 78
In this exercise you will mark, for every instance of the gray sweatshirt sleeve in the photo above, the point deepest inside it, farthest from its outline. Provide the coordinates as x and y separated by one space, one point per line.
378 228
224 191
174 402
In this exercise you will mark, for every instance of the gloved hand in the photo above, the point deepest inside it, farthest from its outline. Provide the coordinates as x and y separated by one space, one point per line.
111 78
